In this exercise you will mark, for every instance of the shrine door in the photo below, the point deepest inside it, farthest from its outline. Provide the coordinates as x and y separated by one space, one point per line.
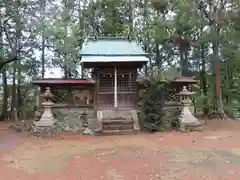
126 87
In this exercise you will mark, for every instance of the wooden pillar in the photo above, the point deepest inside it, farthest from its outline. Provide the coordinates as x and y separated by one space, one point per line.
115 87
38 94
82 71
95 88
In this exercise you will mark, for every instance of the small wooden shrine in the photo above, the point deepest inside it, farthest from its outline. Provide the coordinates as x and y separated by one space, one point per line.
111 95
114 62
112 92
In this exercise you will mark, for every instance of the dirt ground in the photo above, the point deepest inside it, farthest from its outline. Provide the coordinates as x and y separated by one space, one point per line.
210 155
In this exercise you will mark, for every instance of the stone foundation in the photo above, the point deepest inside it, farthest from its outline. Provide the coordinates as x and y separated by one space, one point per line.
73 119
66 119
43 131
118 121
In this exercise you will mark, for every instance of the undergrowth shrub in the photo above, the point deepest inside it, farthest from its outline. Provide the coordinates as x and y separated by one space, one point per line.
205 105
153 115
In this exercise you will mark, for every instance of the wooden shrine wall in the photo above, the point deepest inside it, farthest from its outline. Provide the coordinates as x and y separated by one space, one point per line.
126 87
69 95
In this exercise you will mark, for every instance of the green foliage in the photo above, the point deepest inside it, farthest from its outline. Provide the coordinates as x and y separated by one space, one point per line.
203 103
59 121
160 6
151 104
113 23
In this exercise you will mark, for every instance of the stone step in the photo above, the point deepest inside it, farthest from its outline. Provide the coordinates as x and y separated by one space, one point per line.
91 116
192 127
118 127
91 120
115 114
193 124
91 111
117 122
117 132
117 118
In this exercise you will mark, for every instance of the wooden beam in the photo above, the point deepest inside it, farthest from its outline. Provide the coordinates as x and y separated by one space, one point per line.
115 87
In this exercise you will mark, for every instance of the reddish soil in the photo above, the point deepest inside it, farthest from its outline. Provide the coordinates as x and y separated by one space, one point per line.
213 154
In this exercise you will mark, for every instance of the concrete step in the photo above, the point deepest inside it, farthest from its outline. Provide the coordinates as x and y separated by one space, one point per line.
110 114
117 122
118 127
117 132
192 127
116 118
91 116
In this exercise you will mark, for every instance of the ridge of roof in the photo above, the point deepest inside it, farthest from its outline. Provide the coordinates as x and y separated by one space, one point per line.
114 38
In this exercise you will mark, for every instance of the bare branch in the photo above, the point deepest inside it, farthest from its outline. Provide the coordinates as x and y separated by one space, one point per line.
9 40
222 5
2 64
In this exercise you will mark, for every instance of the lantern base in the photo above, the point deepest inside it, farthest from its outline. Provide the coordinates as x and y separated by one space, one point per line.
187 119
46 119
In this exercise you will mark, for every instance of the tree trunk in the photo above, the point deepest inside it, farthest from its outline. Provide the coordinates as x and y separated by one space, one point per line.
43 56
4 79
66 19
130 18
181 61
184 61
81 34
145 20
43 7
19 97
158 56
13 90
16 92
18 49
5 95
204 80
217 72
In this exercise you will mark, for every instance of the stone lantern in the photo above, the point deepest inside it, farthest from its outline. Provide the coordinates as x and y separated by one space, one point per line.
186 117
46 119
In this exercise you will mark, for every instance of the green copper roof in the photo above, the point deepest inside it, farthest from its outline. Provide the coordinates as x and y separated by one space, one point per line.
112 46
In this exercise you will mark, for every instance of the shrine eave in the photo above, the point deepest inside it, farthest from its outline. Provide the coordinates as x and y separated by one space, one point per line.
117 55
109 38
95 59
61 81
182 79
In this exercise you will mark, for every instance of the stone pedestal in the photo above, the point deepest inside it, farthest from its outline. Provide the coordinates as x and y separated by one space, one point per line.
44 126
186 118
46 119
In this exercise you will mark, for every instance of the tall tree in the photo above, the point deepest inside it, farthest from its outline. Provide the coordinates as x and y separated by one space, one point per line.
43 4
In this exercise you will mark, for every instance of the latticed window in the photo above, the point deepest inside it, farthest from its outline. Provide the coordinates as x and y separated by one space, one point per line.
105 94
74 95
126 81
126 87
106 80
